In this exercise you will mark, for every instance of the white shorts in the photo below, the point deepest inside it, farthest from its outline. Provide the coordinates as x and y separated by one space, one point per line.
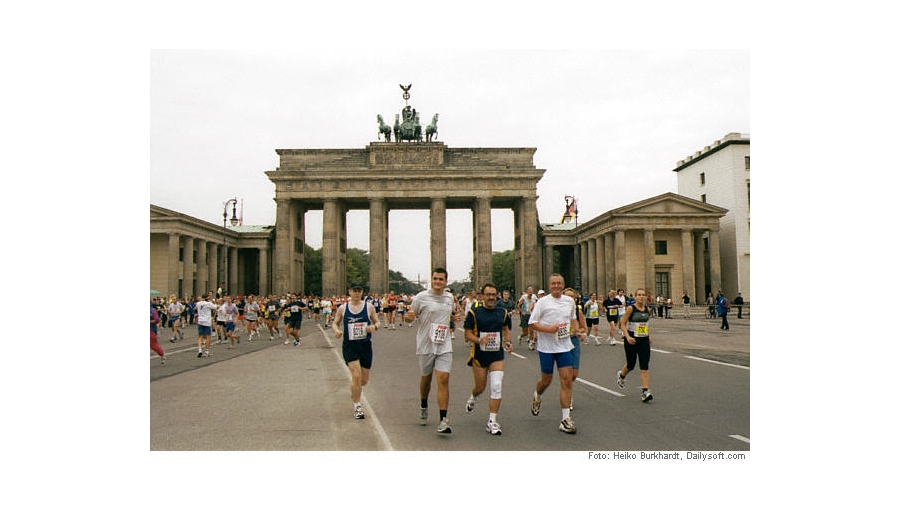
428 363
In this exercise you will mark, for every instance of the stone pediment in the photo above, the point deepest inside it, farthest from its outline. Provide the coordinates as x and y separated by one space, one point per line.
668 204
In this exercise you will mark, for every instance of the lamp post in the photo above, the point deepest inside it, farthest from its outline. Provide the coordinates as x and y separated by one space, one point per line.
234 222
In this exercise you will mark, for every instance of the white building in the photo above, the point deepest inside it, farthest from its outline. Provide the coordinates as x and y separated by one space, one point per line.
720 175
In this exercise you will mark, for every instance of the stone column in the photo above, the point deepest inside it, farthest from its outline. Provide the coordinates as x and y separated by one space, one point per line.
610 263
591 263
263 271
715 261
378 246
600 251
233 285
650 263
621 269
331 238
187 278
581 269
438 218
699 268
482 242
283 263
173 267
212 283
531 266
548 269
687 264
202 268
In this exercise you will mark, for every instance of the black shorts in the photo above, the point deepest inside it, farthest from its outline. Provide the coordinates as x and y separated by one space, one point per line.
639 352
294 324
483 359
358 350
523 321
592 322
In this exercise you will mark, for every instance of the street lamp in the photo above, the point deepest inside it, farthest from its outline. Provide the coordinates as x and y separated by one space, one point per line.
234 222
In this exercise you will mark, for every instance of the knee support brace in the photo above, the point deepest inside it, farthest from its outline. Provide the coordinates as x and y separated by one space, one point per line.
496 383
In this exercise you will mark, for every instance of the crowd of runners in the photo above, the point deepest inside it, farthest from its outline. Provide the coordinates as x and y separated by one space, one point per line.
555 323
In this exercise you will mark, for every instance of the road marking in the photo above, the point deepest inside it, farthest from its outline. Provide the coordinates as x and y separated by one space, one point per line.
517 355
661 351
597 386
717 362
740 438
363 400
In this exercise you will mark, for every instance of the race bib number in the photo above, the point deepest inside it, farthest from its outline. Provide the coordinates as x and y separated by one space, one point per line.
613 311
493 341
439 333
295 309
562 332
271 308
641 329
358 330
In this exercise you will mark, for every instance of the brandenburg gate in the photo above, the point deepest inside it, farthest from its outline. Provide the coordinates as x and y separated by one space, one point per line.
401 175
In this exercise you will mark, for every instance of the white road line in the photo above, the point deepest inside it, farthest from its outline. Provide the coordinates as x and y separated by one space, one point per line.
517 355
717 362
597 386
370 411
740 438
661 351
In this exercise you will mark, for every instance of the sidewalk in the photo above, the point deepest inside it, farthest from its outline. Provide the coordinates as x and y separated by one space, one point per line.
277 398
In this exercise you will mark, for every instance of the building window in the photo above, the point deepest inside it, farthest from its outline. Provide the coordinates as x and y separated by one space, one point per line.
662 284
702 178
747 162
703 198
662 248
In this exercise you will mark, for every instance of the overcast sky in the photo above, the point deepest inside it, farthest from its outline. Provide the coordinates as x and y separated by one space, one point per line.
608 126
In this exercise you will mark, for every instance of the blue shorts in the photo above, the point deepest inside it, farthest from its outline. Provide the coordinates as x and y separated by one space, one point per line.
576 352
229 327
562 359
203 330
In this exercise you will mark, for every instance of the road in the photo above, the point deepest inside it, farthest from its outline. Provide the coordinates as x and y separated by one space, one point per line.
269 396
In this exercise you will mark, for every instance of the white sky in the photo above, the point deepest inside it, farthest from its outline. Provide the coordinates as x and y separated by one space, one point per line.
608 125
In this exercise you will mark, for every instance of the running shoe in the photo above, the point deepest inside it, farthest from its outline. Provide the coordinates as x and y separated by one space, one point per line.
646 396
612 341
199 354
620 380
567 426
444 426
162 360
206 353
360 415
287 342
297 343
172 340
181 335
531 345
423 415
596 340
535 406
470 404
494 428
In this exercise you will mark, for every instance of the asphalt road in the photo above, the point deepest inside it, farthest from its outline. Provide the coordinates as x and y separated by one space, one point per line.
266 395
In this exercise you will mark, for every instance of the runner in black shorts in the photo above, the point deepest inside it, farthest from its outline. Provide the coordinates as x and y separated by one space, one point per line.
358 320
488 330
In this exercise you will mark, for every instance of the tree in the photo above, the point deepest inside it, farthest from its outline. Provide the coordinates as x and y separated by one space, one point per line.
503 267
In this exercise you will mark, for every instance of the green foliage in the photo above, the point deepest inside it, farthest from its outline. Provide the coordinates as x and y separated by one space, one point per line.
357 271
503 267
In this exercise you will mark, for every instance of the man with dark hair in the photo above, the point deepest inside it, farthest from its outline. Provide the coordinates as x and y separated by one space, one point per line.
436 310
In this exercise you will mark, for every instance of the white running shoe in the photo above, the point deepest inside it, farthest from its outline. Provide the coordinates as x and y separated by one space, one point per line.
423 415
470 404
444 426
494 428
620 381
567 426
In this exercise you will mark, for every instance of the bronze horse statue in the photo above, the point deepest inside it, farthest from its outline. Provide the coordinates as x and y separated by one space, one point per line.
383 129
431 129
